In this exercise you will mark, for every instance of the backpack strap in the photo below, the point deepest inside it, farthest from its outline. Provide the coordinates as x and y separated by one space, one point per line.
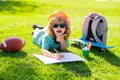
105 29
94 28
85 27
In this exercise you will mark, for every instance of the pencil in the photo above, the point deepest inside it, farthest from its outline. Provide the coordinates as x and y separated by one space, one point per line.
56 50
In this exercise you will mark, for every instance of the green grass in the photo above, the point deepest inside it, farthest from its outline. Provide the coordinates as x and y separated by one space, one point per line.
17 17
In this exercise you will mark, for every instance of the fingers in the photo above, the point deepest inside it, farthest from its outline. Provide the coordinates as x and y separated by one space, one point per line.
64 35
58 56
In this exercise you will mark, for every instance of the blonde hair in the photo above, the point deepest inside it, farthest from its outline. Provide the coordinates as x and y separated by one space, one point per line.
61 17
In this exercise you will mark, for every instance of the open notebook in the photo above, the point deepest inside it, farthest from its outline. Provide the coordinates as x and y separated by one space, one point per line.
68 57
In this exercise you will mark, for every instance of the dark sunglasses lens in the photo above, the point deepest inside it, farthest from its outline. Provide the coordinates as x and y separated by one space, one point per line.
60 25
63 25
55 25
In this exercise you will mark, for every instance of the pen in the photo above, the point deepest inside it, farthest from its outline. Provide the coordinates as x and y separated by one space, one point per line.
56 50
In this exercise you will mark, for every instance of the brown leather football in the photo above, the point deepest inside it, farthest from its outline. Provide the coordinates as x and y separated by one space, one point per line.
12 44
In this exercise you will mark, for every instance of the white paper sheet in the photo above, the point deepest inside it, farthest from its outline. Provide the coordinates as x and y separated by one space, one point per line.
68 57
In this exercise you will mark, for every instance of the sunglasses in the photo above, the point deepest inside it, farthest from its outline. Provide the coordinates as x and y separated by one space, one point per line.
59 25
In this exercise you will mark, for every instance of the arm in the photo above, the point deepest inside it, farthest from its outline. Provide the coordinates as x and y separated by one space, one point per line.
63 45
46 44
62 42
50 54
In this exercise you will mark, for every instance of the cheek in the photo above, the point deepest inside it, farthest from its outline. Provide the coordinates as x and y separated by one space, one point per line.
64 30
54 30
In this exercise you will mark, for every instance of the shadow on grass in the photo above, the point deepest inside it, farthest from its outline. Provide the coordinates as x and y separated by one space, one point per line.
20 54
18 6
108 56
18 71
78 68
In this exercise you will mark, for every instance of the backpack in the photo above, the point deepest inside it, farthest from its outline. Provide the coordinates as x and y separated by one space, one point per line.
95 28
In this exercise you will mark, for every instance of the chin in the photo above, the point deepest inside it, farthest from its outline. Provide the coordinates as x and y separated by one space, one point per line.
59 34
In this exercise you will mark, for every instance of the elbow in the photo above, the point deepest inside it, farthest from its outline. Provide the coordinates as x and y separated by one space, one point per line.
64 49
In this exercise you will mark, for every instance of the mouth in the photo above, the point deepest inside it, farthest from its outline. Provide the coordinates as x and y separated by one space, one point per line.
59 31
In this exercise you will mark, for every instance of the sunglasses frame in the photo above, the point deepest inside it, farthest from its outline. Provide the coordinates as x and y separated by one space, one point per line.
59 25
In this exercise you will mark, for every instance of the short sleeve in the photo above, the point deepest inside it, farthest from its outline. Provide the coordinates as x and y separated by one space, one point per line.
67 43
47 42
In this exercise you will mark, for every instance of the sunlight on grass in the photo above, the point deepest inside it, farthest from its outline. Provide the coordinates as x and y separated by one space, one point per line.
17 17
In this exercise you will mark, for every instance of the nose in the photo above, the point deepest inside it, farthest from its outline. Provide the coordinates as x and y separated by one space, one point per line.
59 26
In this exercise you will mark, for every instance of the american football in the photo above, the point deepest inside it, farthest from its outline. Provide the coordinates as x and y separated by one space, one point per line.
12 44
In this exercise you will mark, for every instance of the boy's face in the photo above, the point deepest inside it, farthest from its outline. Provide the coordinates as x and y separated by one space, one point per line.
58 30
59 27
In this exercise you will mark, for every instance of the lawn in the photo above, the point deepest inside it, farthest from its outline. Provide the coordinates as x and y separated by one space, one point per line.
17 17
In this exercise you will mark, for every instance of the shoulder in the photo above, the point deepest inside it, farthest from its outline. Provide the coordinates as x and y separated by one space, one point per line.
48 38
67 42
47 42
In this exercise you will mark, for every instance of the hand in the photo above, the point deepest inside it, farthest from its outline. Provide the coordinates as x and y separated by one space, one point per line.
60 37
58 56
